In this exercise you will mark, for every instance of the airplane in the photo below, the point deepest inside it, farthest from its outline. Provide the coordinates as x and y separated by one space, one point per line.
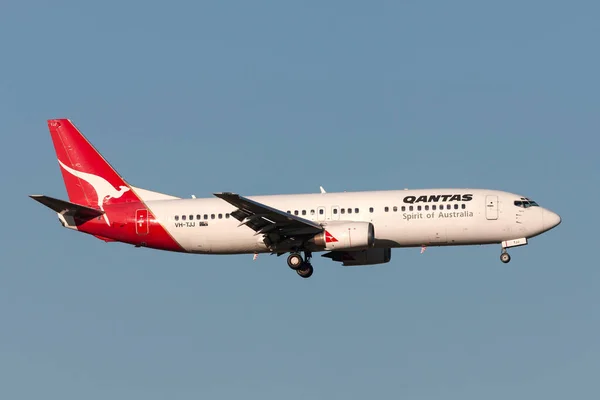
354 228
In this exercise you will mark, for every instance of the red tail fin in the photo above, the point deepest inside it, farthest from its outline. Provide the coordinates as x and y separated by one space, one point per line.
89 178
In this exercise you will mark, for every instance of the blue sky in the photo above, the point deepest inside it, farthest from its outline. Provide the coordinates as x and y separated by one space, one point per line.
271 97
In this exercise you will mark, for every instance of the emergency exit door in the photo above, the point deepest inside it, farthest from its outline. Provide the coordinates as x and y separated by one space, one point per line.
491 207
321 213
142 226
335 212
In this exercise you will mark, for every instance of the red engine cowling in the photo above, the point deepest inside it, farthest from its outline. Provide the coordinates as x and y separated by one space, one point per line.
345 235
361 257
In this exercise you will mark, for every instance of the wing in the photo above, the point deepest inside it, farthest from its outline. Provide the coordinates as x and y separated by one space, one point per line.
281 229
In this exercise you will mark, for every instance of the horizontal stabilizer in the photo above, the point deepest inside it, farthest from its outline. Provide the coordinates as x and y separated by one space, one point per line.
68 209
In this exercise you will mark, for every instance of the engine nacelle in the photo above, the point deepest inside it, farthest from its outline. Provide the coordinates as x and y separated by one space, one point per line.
345 235
361 257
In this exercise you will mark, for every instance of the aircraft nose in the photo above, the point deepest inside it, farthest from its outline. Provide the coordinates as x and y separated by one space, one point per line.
551 219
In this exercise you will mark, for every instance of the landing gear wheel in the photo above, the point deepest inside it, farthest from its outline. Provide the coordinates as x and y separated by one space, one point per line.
505 257
306 271
295 261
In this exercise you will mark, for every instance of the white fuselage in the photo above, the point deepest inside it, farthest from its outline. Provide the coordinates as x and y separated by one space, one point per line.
403 218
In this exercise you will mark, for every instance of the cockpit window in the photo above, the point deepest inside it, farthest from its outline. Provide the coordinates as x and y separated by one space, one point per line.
533 203
526 203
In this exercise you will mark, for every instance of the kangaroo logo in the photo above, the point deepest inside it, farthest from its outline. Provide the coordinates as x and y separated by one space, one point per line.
104 190
329 238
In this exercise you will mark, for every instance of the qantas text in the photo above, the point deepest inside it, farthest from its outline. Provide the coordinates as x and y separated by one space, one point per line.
438 197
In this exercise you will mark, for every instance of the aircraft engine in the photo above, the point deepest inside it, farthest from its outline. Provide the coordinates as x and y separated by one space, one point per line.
345 235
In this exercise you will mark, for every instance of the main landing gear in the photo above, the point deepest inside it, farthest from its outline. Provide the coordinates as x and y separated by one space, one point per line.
302 266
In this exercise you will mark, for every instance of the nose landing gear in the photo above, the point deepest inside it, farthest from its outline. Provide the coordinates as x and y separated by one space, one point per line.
302 266
504 256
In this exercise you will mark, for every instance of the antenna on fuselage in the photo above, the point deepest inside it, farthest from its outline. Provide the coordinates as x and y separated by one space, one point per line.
322 190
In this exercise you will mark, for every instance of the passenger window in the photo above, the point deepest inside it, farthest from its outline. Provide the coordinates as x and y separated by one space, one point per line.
343 210
411 208
403 208
205 216
464 206
198 216
386 209
419 208
303 212
349 211
426 208
177 218
295 212
356 211
220 216
191 217
334 211
183 217
212 216
371 209
321 211
433 207
448 206
226 215
395 208
312 212
456 206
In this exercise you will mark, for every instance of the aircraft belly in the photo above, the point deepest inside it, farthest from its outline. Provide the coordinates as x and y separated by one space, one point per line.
220 241
238 244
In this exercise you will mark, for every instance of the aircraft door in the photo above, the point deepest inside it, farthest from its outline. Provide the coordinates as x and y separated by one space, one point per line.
491 207
142 227
321 213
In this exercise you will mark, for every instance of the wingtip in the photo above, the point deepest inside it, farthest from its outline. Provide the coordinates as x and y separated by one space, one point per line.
221 194
40 198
